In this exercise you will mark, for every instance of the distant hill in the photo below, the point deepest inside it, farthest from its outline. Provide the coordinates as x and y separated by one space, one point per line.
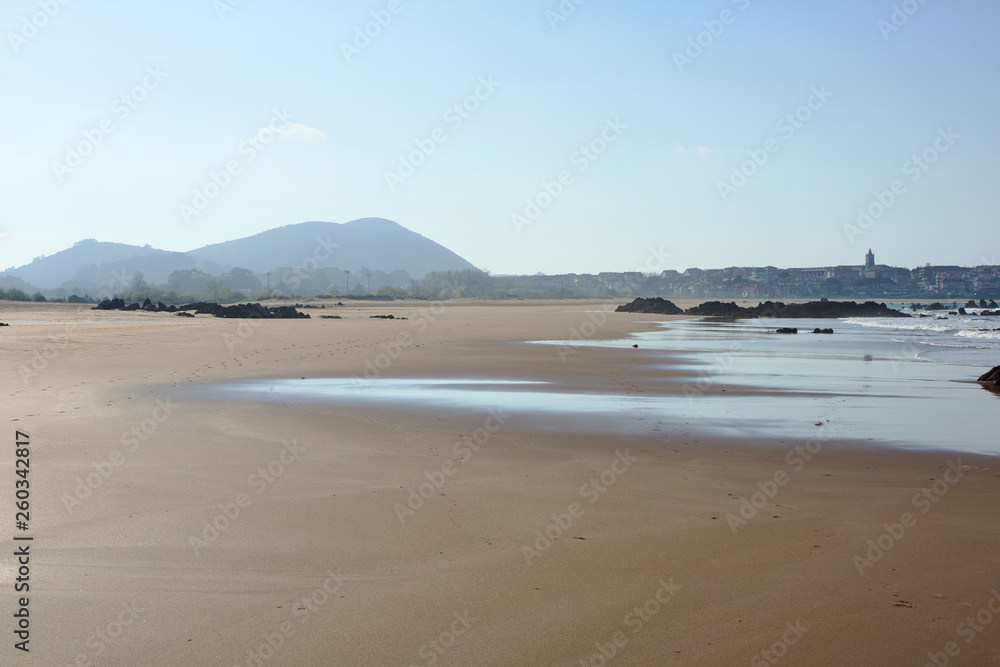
375 243
91 262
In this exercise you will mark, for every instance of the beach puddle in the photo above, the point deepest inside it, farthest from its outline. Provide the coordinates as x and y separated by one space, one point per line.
765 417
732 379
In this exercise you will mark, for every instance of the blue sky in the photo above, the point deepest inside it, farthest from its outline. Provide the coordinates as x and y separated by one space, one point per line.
310 133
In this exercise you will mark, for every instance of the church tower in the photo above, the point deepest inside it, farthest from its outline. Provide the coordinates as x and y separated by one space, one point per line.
870 259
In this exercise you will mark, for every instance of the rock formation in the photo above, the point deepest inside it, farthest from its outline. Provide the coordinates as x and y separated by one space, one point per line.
654 306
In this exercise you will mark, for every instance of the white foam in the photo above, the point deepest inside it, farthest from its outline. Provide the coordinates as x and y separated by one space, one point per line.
924 324
979 333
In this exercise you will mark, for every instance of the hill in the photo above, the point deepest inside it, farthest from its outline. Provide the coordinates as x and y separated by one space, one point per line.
374 243
91 262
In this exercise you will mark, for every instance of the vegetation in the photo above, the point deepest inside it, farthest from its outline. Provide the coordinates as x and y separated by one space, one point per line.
14 295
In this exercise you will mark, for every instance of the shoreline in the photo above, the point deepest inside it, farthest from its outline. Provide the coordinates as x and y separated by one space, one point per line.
399 584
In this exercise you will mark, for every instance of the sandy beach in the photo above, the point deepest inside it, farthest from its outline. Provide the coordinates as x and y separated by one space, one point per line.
175 531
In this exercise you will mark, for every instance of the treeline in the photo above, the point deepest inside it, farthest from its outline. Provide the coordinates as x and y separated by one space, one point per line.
239 285
15 294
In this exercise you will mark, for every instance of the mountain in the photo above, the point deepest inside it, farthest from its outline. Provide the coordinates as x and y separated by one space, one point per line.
374 243
91 262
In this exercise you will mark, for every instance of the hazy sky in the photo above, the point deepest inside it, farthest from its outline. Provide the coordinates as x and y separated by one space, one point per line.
672 98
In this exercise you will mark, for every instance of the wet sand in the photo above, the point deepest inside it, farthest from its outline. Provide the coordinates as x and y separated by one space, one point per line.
325 552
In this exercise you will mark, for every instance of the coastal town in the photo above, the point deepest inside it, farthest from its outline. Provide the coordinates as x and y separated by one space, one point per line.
868 280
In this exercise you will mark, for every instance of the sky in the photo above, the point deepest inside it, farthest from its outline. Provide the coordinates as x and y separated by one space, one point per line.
576 136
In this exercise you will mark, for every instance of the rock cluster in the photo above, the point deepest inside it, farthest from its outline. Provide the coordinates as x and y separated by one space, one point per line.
655 306
240 310
813 309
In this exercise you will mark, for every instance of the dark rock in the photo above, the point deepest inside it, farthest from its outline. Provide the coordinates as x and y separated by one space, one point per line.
935 306
237 311
992 304
654 306
813 309
992 375
982 304
244 311
786 330
961 311
201 308
972 304
823 331
330 317
4 324
719 309
110 304
991 379
285 312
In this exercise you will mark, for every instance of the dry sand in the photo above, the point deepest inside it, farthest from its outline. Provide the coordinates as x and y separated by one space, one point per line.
117 580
